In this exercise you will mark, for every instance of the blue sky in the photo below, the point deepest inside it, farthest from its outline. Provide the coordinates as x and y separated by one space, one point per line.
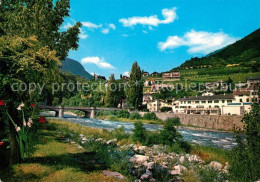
159 35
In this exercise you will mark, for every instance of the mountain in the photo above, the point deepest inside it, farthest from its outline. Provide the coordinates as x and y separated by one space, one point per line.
74 67
244 52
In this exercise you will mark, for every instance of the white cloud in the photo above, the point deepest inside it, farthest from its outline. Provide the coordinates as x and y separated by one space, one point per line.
68 25
100 62
105 31
125 35
126 73
112 26
198 41
82 34
168 14
91 25
145 31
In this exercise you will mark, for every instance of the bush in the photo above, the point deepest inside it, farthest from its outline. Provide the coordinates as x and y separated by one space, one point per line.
150 116
135 115
245 158
169 134
166 109
123 114
139 132
119 133
174 121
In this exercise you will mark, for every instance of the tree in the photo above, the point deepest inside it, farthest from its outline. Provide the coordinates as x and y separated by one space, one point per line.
245 157
230 84
31 44
135 88
111 98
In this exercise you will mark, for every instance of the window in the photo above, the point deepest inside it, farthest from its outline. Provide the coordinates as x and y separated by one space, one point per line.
223 101
189 102
203 102
209 101
184 102
216 101
197 102
229 101
240 100
247 99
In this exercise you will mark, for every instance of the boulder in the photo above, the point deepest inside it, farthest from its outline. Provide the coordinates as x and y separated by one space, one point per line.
139 159
146 175
194 158
111 142
113 174
216 165
177 170
182 159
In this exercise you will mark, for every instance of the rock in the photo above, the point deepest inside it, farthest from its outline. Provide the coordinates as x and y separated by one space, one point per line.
139 158
177 170
111 142
182 159
152 179
216 165
99 140
113 174
194 158
81 135
72 142
83 139
146 175
149 165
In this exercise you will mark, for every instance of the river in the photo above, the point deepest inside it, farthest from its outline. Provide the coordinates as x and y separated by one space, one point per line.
208 138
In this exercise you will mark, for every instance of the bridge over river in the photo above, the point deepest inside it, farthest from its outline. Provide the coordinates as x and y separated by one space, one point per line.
89 111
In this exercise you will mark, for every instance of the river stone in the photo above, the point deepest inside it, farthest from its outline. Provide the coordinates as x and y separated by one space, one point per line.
182 159
139 158
177 170
216 165
113 174
146 175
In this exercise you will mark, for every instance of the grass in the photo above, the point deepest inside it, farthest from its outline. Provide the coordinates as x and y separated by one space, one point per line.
56 160
209 154
114 118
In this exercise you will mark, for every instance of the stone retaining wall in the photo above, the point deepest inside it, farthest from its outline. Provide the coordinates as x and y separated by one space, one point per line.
220 122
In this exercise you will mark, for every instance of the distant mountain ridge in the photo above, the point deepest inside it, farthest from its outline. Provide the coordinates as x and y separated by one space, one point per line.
74 67
244 52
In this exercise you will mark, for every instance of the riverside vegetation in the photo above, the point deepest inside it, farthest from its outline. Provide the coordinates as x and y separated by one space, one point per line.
73 151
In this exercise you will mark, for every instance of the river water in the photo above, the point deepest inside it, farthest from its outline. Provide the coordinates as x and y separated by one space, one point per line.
208 138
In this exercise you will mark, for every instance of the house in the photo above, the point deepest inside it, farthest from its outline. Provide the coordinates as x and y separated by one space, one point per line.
156 105
125 77
213 105
255 80
99 77
171 75
147 97
149 82
218 85
154 74
145 74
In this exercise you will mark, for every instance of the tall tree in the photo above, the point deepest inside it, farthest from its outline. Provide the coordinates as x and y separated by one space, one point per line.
135 87
31 44
111 99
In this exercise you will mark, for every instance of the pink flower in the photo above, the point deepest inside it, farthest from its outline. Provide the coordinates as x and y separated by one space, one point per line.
2 103
29 124
20 106
18 129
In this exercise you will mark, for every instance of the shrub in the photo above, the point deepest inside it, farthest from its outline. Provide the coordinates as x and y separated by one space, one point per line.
135 115
166 109
174 121
150 116
139 132
245 158
169 134
119 133
123 114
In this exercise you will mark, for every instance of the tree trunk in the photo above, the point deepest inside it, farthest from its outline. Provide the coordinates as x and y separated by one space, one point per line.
15 156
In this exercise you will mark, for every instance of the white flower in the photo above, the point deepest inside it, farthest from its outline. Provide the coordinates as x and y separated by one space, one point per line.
20 106
29 124
24 123
18 129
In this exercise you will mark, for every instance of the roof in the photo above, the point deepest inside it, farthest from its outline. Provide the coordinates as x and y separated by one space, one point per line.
213 97
253 78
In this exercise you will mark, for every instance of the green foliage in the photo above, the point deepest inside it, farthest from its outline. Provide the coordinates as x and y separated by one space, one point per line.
175 121
135 87
119 133
135 115
139 132
245 158
123 114
150 116
208 174
165 109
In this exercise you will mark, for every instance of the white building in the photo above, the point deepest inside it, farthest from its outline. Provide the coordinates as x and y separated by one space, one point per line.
213 105
156 105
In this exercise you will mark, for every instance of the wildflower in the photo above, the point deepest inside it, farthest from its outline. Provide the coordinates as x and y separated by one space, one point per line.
20 106
24 123
18 129
29 124
1 143
32 105
2 103
42 120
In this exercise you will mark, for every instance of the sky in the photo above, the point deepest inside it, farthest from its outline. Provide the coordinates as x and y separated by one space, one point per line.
158 34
